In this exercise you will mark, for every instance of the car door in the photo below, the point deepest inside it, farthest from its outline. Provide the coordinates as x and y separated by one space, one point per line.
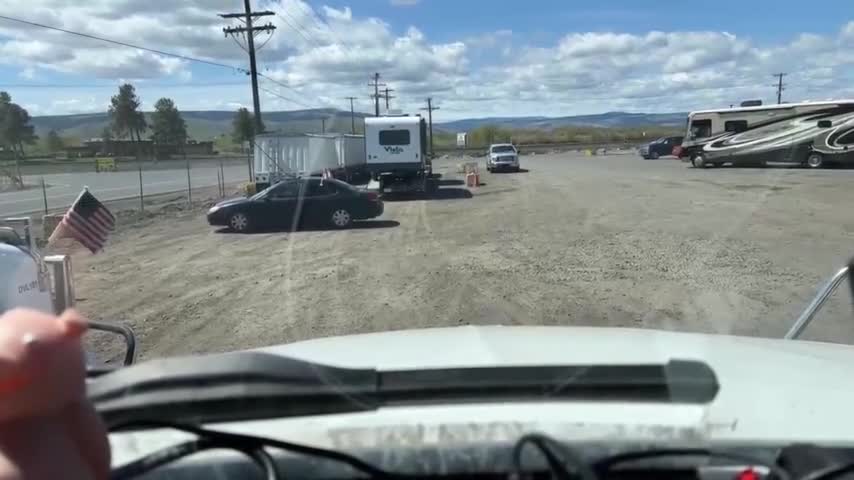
321 197
279 206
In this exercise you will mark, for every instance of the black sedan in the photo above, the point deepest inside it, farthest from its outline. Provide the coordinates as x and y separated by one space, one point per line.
297 202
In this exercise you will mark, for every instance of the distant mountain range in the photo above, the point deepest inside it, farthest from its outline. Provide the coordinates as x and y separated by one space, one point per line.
207 125
608 120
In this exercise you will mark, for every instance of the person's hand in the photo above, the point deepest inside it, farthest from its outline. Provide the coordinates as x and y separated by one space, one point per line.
48 429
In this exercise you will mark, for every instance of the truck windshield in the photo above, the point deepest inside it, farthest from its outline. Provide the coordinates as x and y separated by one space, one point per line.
503 149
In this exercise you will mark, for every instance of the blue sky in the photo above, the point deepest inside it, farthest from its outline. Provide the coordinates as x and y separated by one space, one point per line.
474 57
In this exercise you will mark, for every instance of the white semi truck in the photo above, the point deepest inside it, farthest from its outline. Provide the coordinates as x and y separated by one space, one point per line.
29 280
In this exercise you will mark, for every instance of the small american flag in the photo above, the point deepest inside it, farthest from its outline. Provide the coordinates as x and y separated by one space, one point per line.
88 221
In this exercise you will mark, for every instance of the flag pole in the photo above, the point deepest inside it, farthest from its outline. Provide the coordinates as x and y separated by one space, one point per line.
73 204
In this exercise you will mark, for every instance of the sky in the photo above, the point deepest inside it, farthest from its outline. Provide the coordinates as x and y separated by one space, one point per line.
475 58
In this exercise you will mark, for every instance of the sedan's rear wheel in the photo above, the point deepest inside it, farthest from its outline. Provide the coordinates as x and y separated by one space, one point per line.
239 222
341 218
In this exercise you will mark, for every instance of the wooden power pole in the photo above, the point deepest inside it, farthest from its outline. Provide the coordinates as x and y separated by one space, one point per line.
430 109
248 31
780 87
352 116
376 84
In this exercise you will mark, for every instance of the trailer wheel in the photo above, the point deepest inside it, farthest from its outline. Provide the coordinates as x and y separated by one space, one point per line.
699 161
815 160
341 218
239 222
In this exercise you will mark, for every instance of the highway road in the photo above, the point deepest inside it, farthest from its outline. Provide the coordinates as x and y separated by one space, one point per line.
63 188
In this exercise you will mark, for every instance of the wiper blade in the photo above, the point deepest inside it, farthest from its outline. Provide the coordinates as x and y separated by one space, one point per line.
246 385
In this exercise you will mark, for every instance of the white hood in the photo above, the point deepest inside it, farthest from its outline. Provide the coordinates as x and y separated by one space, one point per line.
770 390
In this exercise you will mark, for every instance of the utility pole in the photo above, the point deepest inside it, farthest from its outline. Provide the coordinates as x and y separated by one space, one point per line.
248 32
376 84
322 125
387 96
430 109
352 116
780 86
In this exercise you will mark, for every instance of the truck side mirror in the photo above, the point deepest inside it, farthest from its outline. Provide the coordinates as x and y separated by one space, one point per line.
825 124
111 342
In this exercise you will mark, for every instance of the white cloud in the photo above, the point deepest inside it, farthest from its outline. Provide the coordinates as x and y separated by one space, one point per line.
327 54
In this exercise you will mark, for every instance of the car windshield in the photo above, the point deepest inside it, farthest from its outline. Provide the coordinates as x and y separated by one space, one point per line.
473 165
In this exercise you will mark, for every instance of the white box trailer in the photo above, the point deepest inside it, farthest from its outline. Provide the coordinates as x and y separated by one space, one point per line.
278 156
397 160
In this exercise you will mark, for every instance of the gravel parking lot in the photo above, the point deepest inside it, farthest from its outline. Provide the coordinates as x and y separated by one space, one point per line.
575 240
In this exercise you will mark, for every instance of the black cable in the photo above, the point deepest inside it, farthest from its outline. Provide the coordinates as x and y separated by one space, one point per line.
830 472
176 452
246 443
602 467
123 44
557 466
283 97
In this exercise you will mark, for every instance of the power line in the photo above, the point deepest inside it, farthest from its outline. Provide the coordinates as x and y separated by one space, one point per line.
124 44
284 97
302 33
318 20
161 85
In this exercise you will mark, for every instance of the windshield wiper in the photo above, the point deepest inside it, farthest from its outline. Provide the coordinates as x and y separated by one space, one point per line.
246 385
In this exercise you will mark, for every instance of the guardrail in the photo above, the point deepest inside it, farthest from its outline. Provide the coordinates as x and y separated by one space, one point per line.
544 147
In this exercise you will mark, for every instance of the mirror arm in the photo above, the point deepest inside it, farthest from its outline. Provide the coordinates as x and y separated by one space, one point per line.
815 305
127 333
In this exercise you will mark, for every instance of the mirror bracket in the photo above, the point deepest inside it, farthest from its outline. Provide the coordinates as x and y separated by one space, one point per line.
817 302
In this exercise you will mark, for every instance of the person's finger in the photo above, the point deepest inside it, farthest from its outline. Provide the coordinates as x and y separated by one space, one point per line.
73 324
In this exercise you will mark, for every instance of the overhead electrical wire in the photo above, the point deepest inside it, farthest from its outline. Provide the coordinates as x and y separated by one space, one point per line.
160 52
124 44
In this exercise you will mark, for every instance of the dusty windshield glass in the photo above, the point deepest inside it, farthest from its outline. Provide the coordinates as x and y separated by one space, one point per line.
671 168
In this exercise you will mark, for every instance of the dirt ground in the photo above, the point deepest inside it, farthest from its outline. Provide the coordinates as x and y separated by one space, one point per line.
603 240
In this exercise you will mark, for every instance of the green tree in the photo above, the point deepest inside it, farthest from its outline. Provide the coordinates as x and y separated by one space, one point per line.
243 126
167 124
54 142
15 128
126 120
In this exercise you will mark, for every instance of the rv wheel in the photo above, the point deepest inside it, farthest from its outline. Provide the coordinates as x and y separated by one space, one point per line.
699 161
815 160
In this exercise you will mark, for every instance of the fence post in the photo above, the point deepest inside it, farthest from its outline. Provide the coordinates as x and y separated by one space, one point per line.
189 184
222 175
248 160
141 201
44 196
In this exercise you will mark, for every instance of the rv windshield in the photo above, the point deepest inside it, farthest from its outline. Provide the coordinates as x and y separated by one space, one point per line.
701 128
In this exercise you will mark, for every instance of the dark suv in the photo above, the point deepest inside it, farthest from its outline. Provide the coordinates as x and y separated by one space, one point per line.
660 147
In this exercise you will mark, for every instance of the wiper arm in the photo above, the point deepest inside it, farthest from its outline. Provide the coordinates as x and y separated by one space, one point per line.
246 385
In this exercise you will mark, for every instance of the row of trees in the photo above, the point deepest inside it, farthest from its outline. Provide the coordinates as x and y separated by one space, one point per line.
127 122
